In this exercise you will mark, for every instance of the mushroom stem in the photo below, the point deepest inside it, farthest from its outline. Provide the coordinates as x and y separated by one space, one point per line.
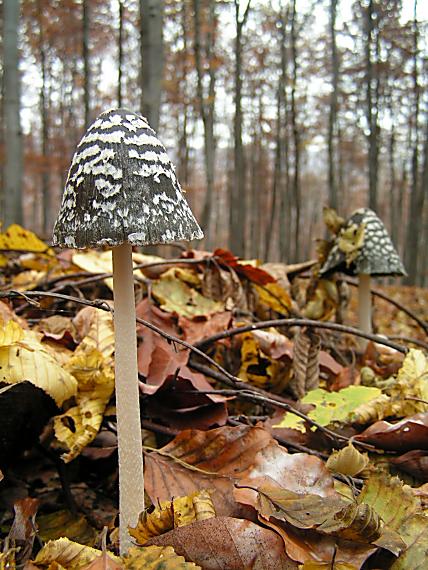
364 303
131 476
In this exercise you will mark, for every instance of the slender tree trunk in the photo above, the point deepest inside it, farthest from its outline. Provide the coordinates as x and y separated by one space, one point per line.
296 136
86 16
151 18
206 107
43 102
393 187
332 120
277 175
423 240
12 182
183 124
120 56
371 108
238 211
416 194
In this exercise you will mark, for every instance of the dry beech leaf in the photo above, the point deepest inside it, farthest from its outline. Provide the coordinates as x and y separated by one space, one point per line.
414 462
24 357
181 511
225 543
104 562
220 456
390 498
405 435
414 532
77 427
305 363
64 523
68 554
156 558
354 522
16 238
302 511
348 461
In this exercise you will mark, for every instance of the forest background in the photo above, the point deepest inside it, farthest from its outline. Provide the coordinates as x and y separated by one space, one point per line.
271 109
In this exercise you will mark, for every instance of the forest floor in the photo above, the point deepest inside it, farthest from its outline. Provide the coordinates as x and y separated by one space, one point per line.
291 444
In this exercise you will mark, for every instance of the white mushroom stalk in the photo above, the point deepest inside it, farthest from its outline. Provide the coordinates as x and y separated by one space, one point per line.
364 303
130 449
122 191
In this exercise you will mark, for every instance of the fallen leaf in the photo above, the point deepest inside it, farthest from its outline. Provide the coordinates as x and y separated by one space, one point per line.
156 558
225 543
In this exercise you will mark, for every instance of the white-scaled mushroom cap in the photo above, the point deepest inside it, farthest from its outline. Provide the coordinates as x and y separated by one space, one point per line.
122 187
377 255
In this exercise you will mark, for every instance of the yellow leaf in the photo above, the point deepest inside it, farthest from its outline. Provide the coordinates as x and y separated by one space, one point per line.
176 296
79 425
10 333
332 220
94 261
351 240
28 359
27 280
15 238
97 329
71 555
181 511
66 524
274 296
256 367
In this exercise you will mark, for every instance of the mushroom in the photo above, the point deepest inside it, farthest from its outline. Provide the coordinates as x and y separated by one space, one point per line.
122 191
363 248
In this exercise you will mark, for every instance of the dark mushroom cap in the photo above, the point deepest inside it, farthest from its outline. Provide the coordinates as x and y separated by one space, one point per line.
122 187
377 254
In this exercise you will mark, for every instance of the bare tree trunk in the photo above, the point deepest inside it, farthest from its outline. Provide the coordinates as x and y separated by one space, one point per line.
332 120
277 174
120 56
296 136
238 210
151 18
43 101
86 63
423 239
416 194
182 125
206 107
372 107
12 182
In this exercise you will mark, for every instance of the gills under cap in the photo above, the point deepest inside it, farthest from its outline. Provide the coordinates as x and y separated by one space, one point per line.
122 187
376 255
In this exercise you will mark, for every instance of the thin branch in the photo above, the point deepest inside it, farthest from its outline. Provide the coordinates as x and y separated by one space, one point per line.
300 323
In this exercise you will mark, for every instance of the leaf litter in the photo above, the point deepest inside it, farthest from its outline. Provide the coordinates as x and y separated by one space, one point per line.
234 479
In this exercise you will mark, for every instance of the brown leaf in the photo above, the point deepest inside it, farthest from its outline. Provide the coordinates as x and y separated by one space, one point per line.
149 312
225 543
23 530
223 284
414 462
254 274
226 452
405 435
305 363
104 562
203 327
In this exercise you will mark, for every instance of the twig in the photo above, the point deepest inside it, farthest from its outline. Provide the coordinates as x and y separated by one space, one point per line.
104 306
300 323
416 341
